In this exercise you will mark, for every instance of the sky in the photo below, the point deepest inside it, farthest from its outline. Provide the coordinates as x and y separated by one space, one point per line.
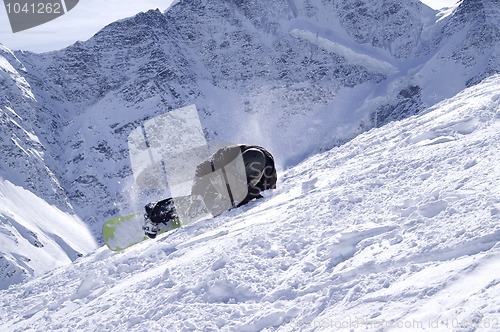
81 23
88 17
438 4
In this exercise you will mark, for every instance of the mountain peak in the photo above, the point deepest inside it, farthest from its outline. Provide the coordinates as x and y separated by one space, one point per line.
469 10
151 15
148 21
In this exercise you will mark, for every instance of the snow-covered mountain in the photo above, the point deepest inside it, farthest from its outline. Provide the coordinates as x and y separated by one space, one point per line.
398 229
38 228
296 76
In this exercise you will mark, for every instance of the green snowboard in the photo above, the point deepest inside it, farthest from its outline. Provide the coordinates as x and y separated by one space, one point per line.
122 232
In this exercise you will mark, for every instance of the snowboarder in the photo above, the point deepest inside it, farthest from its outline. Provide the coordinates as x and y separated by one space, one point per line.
231 177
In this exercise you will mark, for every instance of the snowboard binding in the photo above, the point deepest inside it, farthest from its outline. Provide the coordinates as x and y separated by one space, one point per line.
150 229
158 213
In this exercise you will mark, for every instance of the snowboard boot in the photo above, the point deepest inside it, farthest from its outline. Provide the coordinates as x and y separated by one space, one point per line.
150 228
162 211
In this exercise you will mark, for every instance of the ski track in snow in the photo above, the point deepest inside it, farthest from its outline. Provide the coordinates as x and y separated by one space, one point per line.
397 229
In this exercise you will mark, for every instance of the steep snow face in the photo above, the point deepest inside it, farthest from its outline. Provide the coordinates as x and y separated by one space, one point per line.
23 137
470 37
391 25
35 236
399 228
458 50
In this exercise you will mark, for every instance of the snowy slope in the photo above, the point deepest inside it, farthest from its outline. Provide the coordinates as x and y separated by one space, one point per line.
26 133
35 236
296 76
38 229
398 228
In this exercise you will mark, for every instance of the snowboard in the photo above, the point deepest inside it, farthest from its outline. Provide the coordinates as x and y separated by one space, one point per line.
123 232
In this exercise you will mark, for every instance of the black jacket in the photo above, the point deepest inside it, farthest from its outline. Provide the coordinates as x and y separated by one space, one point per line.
221 183
217 178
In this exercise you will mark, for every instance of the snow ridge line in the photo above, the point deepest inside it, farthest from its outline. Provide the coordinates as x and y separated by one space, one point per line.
347 53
